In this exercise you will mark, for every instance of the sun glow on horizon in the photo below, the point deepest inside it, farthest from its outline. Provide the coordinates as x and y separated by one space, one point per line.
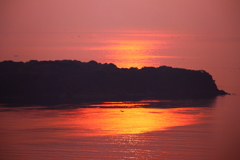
133 53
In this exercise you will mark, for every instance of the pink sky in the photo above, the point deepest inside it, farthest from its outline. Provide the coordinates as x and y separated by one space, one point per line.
186 16
64 29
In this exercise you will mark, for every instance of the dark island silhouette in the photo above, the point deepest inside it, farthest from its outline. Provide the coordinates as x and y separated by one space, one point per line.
68 81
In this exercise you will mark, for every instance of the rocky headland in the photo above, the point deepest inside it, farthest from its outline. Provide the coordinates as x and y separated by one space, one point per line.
68 81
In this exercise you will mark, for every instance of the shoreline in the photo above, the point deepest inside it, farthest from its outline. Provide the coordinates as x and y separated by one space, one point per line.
70 81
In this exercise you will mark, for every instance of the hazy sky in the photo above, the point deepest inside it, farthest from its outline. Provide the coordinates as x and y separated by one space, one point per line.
66 29
186 16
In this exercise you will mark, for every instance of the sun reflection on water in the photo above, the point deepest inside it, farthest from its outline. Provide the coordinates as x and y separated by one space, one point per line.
125 123
114 118
128 131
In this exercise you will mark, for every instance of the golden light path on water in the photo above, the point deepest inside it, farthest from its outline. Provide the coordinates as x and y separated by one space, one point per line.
107 129
126 118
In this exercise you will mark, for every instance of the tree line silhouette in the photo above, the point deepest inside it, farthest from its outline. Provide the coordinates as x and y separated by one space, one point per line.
70 80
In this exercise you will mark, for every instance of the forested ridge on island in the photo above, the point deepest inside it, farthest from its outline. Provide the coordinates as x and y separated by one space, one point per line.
70 80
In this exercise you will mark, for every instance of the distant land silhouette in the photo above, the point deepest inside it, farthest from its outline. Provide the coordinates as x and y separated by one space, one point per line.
68 81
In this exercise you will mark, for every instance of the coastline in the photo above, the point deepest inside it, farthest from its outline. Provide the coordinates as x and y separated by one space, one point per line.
59 82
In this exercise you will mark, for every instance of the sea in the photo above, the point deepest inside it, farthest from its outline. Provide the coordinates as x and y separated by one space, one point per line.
165 129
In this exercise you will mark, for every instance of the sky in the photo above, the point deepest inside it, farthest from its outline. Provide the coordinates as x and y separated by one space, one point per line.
82 29
185 16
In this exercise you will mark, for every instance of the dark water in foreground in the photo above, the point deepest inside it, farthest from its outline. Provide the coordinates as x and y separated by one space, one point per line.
192 129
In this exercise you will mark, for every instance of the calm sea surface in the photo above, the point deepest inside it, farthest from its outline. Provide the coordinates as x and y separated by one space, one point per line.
196 129
147 129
